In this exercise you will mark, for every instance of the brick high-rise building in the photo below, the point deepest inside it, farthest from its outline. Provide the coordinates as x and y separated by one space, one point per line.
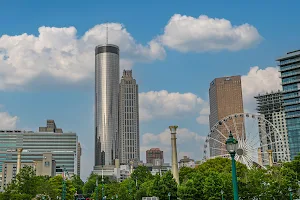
225 98
153 154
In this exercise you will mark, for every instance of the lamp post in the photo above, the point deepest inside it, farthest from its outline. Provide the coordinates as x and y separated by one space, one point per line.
291 194
231 146
64 186
222 192
169 195
97 189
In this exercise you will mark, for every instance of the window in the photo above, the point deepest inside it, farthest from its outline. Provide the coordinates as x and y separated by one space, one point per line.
47 164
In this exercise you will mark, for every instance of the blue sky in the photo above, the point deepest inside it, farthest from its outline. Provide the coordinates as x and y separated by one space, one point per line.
37 83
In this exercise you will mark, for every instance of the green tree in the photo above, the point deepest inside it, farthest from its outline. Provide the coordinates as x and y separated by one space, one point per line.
26 181
184 173
164 185
56 188
141 174
77 183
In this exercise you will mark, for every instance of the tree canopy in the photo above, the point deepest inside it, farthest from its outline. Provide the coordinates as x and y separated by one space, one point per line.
204 182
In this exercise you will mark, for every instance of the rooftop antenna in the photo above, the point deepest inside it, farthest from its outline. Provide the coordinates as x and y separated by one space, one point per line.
107 33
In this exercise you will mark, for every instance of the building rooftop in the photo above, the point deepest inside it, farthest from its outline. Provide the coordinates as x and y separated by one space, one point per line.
290 54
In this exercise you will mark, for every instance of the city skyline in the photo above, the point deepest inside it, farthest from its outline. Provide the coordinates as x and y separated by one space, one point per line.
48 73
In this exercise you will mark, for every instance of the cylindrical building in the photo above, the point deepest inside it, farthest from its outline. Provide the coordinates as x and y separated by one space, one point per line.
106 103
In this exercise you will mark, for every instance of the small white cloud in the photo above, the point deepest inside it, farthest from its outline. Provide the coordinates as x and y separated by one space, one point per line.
163 104
186 33
7 121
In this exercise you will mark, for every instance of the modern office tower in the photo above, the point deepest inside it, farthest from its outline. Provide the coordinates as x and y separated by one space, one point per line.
290 75
79 153
153 154
225 98
63 147
270 106
106 103
129 140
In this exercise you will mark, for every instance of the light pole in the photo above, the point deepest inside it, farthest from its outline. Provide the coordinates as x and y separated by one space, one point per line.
291 194
64 189
231 146
222 192
96 188
169 195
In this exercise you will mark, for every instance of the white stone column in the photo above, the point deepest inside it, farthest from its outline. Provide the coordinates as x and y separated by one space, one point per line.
19 150
270 157
174 153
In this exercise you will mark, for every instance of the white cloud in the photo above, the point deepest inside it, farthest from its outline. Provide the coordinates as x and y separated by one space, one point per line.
186 140
259 81
185 33
7 121
162 104
58 53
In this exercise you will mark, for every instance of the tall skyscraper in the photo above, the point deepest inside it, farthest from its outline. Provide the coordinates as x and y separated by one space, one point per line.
290 76
270 106
225 98
106 103
129 143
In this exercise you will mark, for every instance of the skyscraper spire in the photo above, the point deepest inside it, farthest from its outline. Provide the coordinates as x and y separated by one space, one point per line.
106 33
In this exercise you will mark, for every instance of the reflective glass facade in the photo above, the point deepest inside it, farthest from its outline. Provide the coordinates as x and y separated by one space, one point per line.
106 103
290 69
62 145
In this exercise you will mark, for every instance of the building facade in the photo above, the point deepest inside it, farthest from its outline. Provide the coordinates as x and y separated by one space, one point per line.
186 162
79 153
106 103
290 77
270 106
44 166
63 147
153 154
129 140
225 98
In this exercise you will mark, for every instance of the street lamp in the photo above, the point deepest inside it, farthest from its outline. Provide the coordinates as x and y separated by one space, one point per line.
222 192
169 195
231 146
97 188
291 194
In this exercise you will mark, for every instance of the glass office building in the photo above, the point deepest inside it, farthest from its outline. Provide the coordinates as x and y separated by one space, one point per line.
106 103
62 145
290 76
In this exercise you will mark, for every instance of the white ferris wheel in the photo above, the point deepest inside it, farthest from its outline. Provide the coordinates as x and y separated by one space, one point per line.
260 143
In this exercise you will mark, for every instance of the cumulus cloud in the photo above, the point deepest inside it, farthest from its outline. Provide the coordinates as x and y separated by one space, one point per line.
7 121
186 139
202 34
259 81
163 104
58 53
